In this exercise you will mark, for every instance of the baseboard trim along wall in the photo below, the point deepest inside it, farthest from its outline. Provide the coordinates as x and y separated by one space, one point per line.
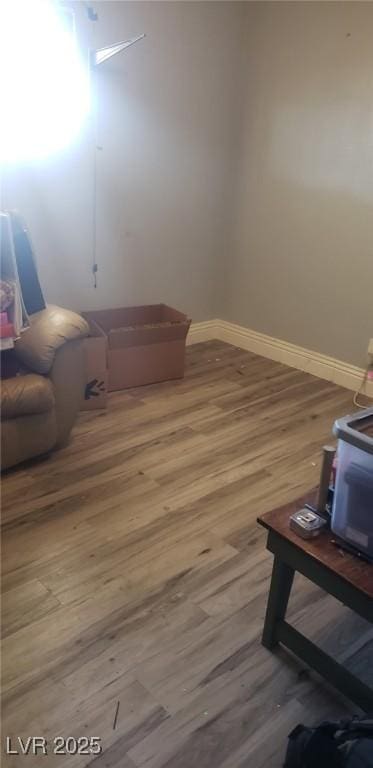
204 331
337 371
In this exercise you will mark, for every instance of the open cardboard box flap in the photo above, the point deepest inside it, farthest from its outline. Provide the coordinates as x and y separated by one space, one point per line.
125 317
146 334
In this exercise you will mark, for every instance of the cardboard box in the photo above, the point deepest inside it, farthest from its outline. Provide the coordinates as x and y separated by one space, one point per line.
95 352
144 344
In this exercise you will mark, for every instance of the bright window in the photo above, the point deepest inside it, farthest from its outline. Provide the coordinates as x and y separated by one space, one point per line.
44 84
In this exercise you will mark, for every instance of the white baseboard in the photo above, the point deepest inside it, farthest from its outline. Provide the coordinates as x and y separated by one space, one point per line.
337 371
204 331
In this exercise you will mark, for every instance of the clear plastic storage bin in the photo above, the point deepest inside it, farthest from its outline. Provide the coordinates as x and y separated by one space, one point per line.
352 517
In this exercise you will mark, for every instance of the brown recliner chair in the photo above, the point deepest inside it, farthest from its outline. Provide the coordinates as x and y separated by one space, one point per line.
40 404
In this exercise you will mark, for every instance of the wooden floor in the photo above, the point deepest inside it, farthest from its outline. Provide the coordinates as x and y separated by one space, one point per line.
134 572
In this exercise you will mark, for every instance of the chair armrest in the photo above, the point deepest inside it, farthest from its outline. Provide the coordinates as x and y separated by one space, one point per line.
49 330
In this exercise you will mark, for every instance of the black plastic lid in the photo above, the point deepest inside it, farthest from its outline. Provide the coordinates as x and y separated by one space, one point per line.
357 430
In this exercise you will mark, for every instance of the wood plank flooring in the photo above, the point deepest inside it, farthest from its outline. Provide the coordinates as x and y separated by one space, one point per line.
133 571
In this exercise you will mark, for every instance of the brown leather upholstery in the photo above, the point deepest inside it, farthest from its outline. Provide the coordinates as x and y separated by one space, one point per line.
38 411
26 437
26 395
50 329
68 379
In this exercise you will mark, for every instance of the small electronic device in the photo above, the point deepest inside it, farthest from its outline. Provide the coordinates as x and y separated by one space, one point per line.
306 523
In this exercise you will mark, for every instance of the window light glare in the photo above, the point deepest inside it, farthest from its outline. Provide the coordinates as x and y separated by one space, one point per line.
44 83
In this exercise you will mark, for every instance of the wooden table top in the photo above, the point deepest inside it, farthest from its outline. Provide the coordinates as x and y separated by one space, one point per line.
357 572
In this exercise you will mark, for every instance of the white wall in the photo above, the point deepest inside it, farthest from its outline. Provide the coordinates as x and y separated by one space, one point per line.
236 178
168 108
301 266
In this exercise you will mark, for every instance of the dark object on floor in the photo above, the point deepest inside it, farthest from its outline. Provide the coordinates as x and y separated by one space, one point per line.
343 744
342 575
116 716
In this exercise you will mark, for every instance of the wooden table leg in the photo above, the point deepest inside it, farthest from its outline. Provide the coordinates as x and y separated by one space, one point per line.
278 598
